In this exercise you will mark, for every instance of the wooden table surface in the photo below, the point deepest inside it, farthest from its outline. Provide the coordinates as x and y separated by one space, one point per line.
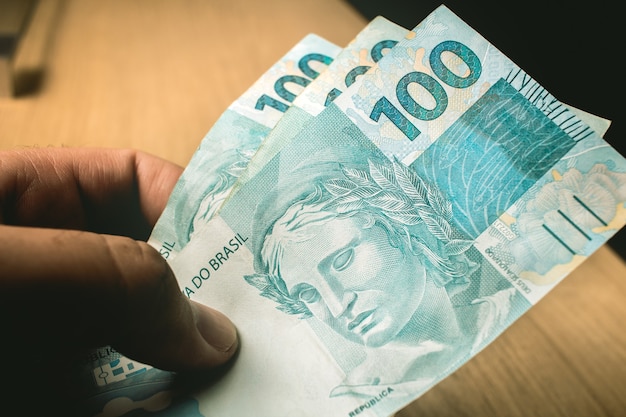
156 74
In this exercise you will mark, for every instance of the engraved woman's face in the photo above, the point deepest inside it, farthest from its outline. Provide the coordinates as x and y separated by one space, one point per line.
352 279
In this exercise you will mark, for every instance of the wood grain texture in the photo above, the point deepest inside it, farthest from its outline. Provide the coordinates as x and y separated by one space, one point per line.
151 74
156 74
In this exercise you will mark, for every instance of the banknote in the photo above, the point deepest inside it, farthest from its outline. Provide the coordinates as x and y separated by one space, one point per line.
233 139
404 228
597 123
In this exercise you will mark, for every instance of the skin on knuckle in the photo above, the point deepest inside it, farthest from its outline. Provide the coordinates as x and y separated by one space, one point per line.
142 272
144 282
153 308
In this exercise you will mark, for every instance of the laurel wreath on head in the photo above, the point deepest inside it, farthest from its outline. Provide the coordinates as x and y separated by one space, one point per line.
401 195
396 192
274 288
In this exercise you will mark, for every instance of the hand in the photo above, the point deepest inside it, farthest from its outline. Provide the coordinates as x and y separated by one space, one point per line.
65 285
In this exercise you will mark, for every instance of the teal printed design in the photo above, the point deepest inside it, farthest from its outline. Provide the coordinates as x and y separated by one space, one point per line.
432 86
355 72
305 64
384 106
280 89
332 95
376 53
411 106
118 369
492 155
378 49
575 126
568 217
467 56
266 100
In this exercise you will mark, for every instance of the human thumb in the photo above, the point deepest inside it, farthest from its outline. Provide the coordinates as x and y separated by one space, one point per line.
74 289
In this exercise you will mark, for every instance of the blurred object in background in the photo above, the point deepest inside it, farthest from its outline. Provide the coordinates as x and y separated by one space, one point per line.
14 18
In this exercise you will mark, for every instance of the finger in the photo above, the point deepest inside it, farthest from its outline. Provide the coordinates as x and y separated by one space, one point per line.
102 190
71 288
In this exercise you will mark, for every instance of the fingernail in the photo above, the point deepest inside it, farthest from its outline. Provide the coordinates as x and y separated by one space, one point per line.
216 329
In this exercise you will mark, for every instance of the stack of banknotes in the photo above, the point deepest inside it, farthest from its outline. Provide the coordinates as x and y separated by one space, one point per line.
370 218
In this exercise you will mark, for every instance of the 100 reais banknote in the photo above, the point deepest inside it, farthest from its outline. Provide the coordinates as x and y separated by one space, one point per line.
382 237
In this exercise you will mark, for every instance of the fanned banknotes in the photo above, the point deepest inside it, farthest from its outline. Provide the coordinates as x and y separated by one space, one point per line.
385 232
367 48
203 185
402 230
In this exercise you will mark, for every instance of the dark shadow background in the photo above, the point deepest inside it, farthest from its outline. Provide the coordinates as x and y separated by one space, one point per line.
573 49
